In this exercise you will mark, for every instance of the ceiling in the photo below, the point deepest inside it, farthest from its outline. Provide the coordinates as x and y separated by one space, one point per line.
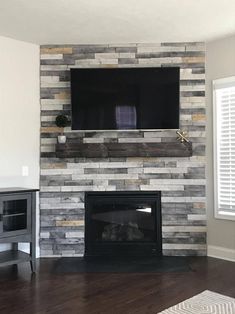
116 21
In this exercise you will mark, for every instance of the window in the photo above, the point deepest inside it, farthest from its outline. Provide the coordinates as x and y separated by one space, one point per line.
224 147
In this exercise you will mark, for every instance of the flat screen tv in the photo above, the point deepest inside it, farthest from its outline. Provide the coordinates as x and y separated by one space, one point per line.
125 98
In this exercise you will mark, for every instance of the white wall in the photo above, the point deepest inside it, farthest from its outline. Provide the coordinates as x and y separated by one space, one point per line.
19 113
220 62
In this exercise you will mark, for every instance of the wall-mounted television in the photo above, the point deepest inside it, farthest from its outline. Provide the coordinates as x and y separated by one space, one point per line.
125 98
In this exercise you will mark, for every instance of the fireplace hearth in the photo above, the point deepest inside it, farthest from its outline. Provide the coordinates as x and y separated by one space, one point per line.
123 223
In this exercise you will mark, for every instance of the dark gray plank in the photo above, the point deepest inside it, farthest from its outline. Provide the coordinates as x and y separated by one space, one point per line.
71 150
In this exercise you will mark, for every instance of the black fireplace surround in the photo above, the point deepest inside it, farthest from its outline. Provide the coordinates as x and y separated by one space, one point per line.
123 223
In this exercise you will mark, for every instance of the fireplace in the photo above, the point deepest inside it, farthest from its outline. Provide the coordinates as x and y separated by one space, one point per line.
123 223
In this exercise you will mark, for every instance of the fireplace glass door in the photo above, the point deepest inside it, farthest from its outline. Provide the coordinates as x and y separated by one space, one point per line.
128 220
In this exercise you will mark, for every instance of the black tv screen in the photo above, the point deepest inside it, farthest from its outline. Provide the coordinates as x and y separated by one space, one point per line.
125 98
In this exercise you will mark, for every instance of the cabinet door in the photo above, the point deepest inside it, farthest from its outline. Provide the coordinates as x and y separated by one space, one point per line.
15 211
1 217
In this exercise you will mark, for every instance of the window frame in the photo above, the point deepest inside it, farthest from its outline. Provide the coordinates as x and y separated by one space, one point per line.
218 213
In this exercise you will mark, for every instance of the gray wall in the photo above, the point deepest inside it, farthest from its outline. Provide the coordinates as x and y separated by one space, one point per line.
220 62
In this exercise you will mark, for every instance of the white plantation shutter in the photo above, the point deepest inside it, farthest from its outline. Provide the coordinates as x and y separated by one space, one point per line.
224 146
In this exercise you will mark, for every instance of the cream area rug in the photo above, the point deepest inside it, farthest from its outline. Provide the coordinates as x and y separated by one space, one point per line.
207 302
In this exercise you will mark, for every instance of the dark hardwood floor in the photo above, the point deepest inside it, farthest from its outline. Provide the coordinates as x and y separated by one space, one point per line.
109 293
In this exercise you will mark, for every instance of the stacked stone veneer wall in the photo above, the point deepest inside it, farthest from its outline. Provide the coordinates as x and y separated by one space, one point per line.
181 180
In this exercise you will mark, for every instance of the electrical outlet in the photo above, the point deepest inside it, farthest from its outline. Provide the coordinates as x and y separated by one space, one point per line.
25 171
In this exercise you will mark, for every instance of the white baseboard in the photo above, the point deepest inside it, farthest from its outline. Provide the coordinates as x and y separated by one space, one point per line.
221 252
5 247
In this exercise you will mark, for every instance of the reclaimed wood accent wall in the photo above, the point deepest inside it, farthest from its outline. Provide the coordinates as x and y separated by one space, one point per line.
181 179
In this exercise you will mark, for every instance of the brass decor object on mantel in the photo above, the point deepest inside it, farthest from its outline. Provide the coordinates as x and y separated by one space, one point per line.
182 136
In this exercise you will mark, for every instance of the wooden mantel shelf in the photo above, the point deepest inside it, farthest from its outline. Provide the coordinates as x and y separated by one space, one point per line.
96 150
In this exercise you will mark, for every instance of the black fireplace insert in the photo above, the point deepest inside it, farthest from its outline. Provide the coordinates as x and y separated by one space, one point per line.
123 223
